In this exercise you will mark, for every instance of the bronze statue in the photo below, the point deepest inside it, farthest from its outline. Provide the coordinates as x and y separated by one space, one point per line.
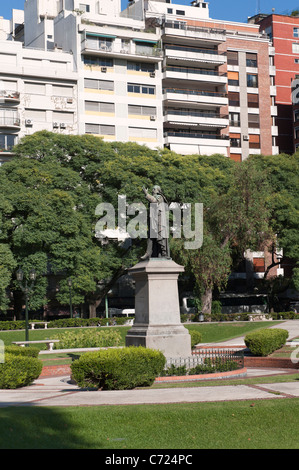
157 242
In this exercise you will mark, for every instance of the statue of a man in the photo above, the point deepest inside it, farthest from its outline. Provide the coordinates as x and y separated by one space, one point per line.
157 242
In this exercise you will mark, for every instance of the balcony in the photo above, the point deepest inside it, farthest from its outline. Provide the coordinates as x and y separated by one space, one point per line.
195 138
194 54
7 142
130 51
9 96
194 117
181 29
10 122
187 96
192 73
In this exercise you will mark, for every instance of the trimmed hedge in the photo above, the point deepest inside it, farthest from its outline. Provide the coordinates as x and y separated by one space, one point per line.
90 338
66 323
118 369
196 337
19 370
264 342
28 351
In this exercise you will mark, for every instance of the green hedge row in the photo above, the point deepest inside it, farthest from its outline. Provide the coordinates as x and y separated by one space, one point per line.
88 338
118 369
264 342
20 367
65 323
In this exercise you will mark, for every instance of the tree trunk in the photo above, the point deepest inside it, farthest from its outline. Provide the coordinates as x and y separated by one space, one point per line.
206 301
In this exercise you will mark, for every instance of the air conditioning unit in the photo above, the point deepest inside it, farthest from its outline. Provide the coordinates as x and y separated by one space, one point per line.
152 74
245 137
28 123
62 125
104 69
69 100
55 125
153 118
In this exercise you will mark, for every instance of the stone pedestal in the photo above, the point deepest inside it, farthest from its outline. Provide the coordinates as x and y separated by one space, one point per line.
157 322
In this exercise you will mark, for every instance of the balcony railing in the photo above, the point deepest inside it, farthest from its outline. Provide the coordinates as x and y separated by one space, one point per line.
182 25
195 113
196 50
10 122
9 95
174 68
113 49
195 135
195 92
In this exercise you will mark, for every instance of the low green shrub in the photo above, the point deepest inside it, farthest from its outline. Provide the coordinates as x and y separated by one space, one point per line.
20 351
118 369
12 325
264 342
196 337
89 338
19 371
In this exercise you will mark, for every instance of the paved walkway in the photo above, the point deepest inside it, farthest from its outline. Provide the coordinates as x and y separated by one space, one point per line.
60 391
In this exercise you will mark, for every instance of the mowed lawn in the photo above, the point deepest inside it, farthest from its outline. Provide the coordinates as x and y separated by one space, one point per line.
211 332
261 424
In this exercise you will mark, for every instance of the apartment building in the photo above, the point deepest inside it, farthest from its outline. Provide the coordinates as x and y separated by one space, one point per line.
157 73
283 31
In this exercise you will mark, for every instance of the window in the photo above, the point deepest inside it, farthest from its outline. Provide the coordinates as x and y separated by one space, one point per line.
295 48
296 61
143 48
100 129
254 121
35 88
296 115
169 10
233 99
296 32
233 78
254 141
83 7
35 115
142 110
98 84
180 12
235 140
7 141
99 107
232 58
63 117
143 89
234 119
142 133
58 90
251 60
252 100
141 67
252 80
98 61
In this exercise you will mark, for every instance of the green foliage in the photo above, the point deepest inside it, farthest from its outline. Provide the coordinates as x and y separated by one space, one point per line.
264 342
196 337
118 369
19 371
27 351
89 338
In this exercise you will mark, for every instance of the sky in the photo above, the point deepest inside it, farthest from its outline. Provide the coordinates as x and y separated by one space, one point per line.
232 10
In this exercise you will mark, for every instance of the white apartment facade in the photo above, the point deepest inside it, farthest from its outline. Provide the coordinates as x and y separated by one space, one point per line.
156 73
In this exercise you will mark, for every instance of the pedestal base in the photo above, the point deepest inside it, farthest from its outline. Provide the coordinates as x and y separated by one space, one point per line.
157 322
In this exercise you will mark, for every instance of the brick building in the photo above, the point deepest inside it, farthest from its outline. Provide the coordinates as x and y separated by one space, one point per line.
284 34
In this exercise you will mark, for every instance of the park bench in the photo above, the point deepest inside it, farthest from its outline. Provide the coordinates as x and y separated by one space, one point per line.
49 342
45 323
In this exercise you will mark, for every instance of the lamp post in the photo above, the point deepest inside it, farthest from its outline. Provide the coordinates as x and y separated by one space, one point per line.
70 283
26 289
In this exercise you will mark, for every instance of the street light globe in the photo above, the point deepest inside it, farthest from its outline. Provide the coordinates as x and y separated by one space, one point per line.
32 275
20 275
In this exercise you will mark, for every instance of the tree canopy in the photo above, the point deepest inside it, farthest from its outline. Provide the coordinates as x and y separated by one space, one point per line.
50 190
